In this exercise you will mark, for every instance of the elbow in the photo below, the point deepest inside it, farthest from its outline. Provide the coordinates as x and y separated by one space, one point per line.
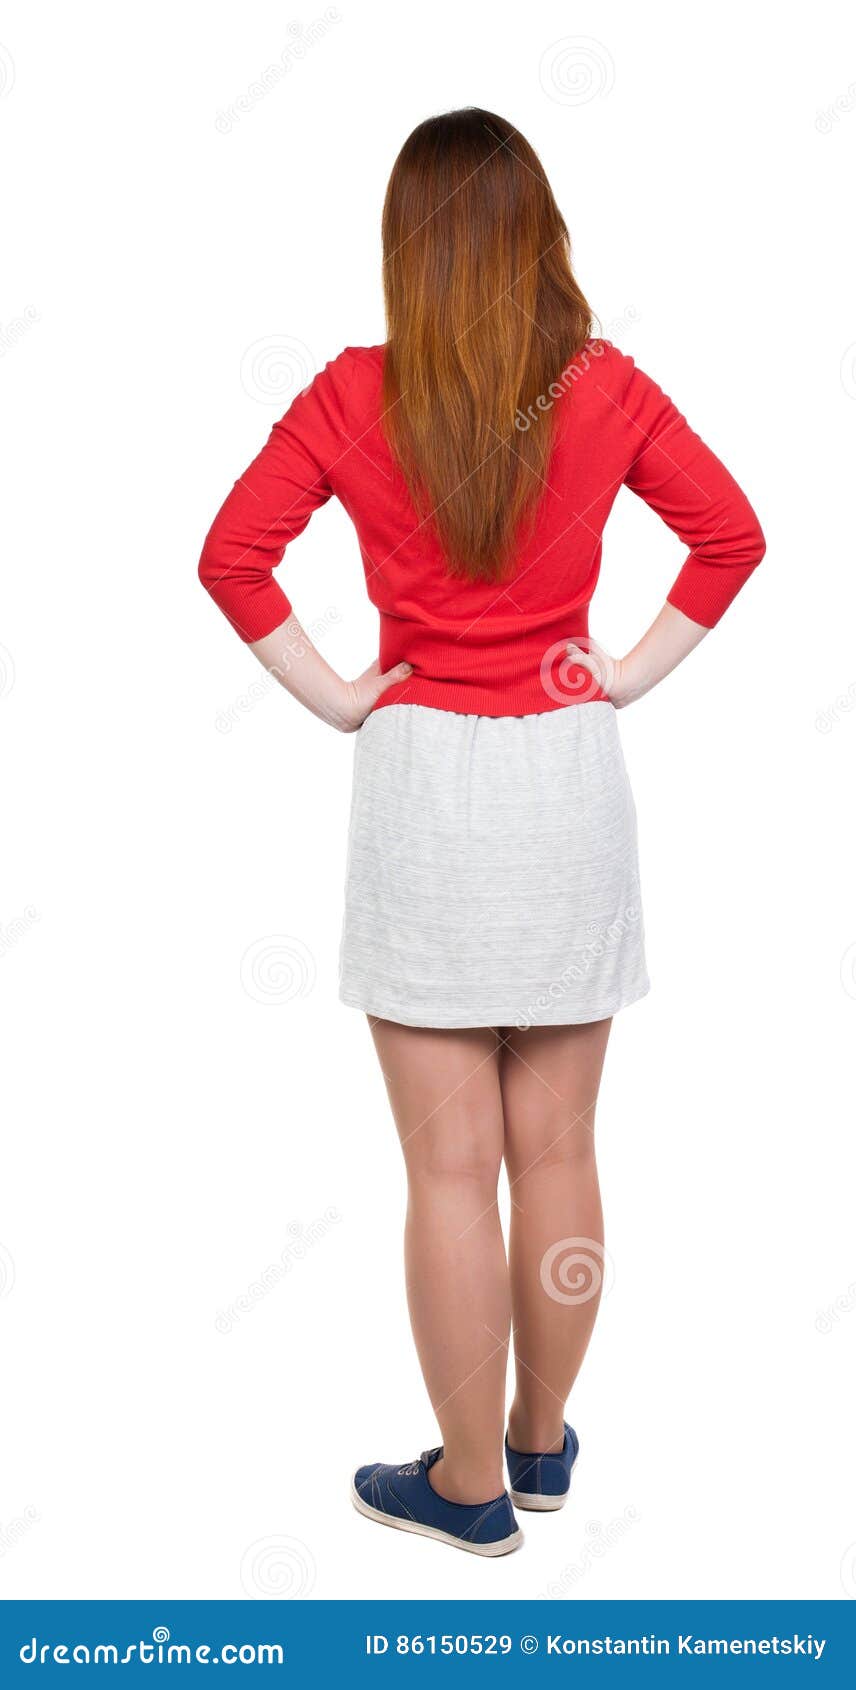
759 544
210 568
755 543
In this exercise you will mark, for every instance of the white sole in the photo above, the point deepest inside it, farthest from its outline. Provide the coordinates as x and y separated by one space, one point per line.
537 1504
503 1547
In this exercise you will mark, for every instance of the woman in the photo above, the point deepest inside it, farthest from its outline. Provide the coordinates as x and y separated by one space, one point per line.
492 925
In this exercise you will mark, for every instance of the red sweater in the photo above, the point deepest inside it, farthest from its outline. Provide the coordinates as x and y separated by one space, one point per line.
483 648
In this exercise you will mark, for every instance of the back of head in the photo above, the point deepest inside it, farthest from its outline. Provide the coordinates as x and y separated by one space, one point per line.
483 313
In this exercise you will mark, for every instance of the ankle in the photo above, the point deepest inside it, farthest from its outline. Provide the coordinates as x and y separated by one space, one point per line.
540 1433
465 1482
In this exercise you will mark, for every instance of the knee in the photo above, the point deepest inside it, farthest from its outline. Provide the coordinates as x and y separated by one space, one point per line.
465 1147
548 1143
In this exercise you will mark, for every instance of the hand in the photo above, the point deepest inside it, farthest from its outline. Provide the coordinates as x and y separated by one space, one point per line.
361 695
610 673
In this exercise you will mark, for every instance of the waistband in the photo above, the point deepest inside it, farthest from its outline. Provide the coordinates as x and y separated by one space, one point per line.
524 670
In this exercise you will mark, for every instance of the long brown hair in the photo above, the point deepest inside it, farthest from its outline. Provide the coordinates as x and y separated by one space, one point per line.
483 314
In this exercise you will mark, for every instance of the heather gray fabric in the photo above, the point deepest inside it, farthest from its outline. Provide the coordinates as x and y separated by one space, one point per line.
492 877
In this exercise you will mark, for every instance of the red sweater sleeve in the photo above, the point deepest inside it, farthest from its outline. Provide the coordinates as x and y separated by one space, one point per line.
271 503
685 483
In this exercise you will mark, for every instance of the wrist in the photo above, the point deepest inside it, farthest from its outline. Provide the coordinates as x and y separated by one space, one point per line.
631 680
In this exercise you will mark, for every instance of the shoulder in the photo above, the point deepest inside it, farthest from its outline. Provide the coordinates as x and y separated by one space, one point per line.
362 365
350 383
614 381
342 388
614 367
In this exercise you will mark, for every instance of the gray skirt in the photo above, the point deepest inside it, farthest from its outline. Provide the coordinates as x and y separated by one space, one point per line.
492 875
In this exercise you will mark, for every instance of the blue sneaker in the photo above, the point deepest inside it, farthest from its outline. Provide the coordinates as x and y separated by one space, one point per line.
404 1497
542 1482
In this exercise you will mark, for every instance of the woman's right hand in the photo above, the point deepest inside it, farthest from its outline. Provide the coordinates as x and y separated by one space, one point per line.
361 695
289 655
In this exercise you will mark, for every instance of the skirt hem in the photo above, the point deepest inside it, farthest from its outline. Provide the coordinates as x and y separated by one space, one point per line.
460 1020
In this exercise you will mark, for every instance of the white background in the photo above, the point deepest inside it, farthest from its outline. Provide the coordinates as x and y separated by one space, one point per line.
180 1105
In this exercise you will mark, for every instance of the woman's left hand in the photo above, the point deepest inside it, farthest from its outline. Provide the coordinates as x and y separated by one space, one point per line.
608 672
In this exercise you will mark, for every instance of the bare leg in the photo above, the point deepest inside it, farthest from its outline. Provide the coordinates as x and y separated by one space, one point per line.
445 1095
549 1078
